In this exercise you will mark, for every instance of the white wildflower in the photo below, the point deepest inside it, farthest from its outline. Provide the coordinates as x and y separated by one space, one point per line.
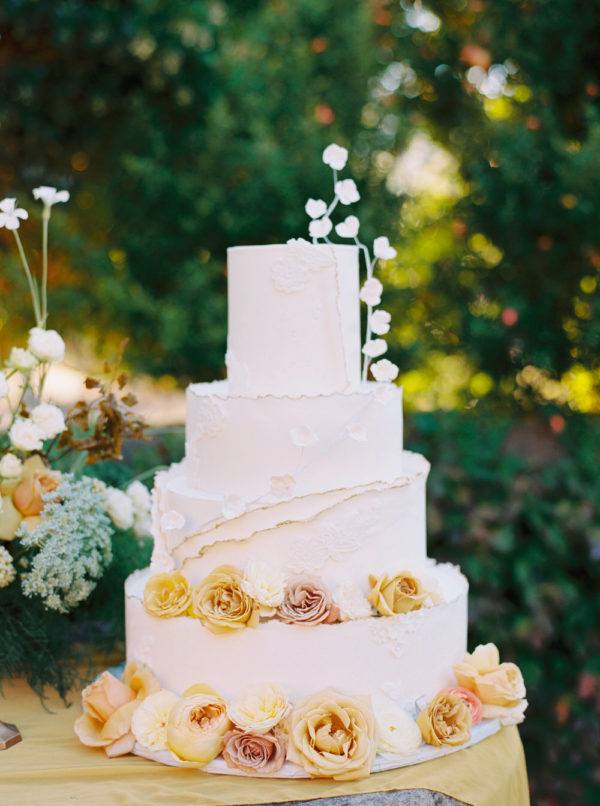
21 359
374 348
380 322
119 507
335 156
315 208
352 602
49 195
142 524
382 248
25 435
384 371
371 292
7 568
11 215
49 419
11 466
348 228
47 345
346 191
320 227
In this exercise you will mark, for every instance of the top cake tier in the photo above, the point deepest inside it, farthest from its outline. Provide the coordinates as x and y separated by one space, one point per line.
294 319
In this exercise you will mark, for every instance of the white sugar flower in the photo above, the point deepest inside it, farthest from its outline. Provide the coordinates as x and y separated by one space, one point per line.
303 436
11 466
357 432
10 214
49 196
384 371
233 507
397 732
47 345
320 227
315 208
21 359
346 191
7 569
335 156
265 584
172 520
25 435
150 718
49 419
260 708
371 292
348 228
282 486
119 507
374 348
140 496
352 602
382 248
380 322
3 386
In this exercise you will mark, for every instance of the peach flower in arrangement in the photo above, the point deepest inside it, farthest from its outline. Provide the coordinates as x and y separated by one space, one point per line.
471 699
28 496
332 735
256 754
222 604
197 725
167 595
400 593
308 601
446 720
108 708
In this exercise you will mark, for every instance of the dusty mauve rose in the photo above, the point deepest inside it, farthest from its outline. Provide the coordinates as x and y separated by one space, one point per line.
28 496
307 601
472 700
254 753
446 721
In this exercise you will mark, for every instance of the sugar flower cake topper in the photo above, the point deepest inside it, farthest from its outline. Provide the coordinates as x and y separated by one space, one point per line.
345 193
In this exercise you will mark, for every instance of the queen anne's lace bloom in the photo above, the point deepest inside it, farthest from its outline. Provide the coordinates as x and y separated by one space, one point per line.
7 569
11 215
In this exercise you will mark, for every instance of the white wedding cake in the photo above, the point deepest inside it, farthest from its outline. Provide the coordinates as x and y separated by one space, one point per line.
295 477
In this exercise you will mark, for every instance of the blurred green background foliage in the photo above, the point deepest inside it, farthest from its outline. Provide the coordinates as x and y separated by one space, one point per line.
182 128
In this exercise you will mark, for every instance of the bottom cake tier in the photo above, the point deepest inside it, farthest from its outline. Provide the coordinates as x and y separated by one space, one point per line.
405 657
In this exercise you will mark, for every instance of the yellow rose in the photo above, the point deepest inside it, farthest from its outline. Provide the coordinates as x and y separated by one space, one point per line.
445 721
197 725
221 603
332 735
400 593
167 595
108 708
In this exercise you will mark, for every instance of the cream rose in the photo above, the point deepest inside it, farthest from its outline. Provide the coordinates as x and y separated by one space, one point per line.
254 754
509 715
47 345
265 584
400 593
49 419
445 721
221 603
332 735
149 722
25 435
397 732
119 507
108 708
11 466
260 708
197 725
307 601
167 595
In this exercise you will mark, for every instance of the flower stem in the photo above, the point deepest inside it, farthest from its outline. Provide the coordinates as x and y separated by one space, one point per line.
45 221
30 280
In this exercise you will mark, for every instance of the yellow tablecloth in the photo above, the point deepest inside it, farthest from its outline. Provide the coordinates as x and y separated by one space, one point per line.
50 767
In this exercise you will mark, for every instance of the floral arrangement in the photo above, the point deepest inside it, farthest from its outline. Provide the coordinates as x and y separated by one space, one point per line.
319 211
330 734
57 521
230 599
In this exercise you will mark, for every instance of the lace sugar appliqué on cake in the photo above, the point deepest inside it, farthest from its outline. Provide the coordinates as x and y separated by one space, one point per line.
291 272
208 421
308 555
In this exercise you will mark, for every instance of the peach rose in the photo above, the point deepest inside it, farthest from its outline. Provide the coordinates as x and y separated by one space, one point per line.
493 682
472 700
508 715
307 601
446 720
221 603
332 735
252 753
400 593
28 495
485 658
197 725
167 595
108 707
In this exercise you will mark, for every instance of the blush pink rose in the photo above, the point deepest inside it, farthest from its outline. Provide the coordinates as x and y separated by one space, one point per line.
254 754
308 601
471 699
